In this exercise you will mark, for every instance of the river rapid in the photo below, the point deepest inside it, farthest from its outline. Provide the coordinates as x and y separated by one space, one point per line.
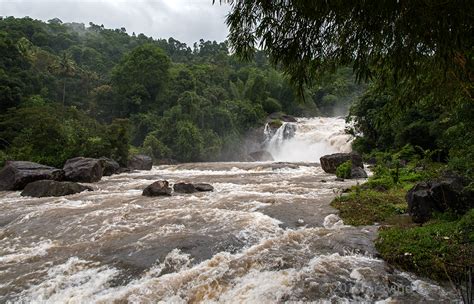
266 234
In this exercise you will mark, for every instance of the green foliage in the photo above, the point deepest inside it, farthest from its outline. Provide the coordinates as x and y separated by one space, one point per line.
437 250
465 227
155 148
189 143
305 37
344 170
366 206
118 135
140 77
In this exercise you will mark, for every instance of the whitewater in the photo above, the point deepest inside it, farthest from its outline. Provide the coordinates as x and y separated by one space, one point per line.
266 234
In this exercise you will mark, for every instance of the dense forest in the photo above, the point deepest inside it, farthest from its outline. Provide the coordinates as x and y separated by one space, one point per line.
68 90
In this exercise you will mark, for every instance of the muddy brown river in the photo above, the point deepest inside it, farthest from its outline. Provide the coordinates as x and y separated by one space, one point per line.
267 234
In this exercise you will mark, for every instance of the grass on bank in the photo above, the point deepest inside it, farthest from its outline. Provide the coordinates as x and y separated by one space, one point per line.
441 249
367 206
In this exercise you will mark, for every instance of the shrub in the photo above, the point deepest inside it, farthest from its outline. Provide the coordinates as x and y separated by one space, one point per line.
344 170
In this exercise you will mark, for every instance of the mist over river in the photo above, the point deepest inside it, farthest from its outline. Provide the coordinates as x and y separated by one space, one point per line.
266 234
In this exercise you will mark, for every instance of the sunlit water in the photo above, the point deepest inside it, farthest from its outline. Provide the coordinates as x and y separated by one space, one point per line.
267 234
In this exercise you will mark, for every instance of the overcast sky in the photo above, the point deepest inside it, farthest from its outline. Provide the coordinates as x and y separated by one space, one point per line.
185 20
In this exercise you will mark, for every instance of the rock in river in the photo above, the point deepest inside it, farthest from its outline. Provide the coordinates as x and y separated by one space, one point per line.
329 163
44 188
109 166
158 188
184 188
17 174
140 162
203 187
83 169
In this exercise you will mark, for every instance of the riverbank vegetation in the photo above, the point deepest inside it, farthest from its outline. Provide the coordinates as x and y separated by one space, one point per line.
441 249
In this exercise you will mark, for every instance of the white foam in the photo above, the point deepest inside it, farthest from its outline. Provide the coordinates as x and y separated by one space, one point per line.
19 253
75 281
333 221
314 137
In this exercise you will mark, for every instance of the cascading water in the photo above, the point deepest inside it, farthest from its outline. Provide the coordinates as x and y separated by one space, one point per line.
308 139
267 234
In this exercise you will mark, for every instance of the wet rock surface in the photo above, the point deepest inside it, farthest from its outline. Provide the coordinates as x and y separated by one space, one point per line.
329 163
140 162
358 172
203 187
15 175
109 166
46 188
447 193
83 169
158 188
184 188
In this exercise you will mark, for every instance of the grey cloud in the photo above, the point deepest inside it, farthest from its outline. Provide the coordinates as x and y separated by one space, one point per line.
185 20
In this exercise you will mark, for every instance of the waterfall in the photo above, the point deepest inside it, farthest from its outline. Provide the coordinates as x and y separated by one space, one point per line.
308 139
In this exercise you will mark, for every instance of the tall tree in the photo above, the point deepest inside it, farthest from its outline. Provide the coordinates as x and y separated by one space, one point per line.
141 76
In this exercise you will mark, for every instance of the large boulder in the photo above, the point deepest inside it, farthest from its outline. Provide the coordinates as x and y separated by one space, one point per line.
446 193
83 169
109 166
420 203
329 163
261 156
159 188
15 175
140 162
44 188
184 188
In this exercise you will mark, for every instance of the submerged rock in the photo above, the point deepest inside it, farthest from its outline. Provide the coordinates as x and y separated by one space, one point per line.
158 188
203 187
83 169
140 162
45 188
15 175
109 166
329 163
261 156
184 188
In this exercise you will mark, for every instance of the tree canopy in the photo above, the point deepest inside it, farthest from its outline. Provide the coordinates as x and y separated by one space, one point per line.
308 36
